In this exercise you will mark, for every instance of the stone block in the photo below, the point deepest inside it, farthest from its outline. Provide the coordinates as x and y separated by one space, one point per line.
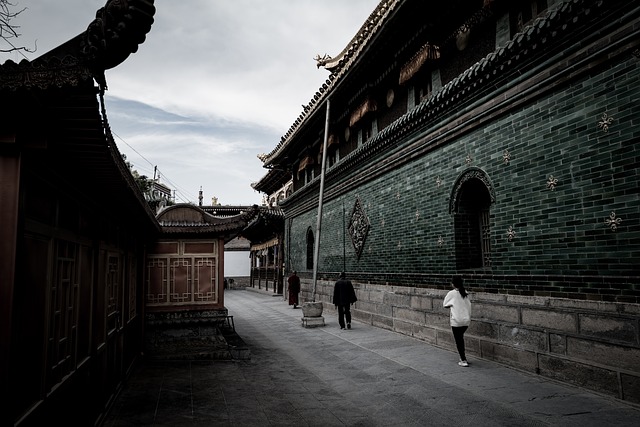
362 316
425 333
549 319
405 328
313 322
407 314
398 300
588 376
445 339
605 354
471 344
630 387
527 300
484 297
436 320
619 329
523 338
384 322
558 344
422 302
575 304
518 358
488 330
500 313
375 296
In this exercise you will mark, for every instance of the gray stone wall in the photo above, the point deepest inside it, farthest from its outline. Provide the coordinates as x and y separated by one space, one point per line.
589 344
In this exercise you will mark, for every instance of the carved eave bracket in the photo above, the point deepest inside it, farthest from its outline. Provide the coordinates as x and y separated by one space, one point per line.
119 27
116 32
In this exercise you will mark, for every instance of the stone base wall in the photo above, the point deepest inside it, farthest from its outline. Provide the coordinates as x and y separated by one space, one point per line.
238 282
590 344
186 335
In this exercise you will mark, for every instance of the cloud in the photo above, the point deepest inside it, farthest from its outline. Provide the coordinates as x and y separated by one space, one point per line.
215 83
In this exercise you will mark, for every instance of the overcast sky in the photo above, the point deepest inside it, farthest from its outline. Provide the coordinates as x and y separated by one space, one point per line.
216 83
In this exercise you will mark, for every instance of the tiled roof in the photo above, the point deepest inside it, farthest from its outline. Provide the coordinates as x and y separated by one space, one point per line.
189 219
558 21
338 66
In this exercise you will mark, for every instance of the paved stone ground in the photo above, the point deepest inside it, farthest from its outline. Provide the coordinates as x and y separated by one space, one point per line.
365 376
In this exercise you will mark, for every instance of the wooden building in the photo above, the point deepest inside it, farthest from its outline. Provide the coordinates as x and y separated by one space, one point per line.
81 251
495 139
184 283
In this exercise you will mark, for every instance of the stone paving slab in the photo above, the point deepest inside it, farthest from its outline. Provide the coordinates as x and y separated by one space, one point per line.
365 376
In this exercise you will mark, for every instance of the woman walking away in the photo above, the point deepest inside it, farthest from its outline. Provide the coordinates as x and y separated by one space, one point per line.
457 300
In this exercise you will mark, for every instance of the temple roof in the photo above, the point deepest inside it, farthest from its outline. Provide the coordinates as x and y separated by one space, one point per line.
518 51
188 219
52 109
115 33
338 66
272 181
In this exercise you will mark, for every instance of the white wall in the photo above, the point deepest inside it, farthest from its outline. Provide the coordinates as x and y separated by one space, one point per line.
237 264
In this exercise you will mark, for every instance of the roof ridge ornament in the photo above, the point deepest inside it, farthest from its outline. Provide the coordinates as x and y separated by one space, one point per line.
321 61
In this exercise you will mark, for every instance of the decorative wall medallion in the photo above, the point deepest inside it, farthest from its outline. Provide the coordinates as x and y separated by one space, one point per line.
552 182
613 221
438 182
440 241
468 159
511 233
358 227
605 122
398 195
636 53
417 215
506 157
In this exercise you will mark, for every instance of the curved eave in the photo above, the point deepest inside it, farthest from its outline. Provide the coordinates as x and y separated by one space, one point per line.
274 180
544 29
116 32
346 60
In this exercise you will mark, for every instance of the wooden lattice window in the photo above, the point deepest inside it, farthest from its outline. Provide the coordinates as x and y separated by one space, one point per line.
472 226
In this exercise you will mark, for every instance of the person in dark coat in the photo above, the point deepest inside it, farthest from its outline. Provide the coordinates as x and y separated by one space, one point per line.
294 289
343 296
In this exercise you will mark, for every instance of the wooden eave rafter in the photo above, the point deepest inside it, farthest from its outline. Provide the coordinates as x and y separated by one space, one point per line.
306 162
428 52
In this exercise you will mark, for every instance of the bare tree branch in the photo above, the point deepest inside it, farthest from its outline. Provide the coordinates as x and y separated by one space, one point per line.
8 30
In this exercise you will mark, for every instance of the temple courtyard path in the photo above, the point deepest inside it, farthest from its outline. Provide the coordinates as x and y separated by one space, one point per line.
365 376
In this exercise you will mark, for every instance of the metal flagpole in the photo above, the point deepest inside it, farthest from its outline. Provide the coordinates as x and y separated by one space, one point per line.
344 242
316 249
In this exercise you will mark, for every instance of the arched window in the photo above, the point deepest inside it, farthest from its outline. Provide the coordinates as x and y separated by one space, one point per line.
471 202
310 248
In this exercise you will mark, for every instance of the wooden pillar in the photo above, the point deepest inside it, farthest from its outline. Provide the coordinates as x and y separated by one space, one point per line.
9 205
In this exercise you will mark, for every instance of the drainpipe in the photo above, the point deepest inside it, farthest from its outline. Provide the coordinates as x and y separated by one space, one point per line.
316 249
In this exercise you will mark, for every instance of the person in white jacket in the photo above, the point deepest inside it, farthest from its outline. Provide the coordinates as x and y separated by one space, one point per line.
457 300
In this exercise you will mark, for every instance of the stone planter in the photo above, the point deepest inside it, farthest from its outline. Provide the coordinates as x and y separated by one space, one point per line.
312 309
312 314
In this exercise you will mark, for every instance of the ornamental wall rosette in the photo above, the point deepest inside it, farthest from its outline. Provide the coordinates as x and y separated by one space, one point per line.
358 227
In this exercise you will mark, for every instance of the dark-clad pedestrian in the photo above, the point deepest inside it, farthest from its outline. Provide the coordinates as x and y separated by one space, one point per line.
343 296
457 300
294 289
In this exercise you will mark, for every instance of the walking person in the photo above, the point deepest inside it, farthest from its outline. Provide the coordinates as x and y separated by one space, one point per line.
457 300
343 296
294 289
